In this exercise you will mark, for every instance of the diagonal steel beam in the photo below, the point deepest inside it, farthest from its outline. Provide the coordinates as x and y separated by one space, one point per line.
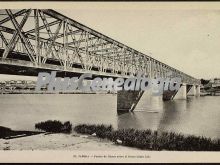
33 37
37 37
107 50
15 36
43 26
69 33
6 29
25 41
53 39
3 38
15 15
97 45
76 46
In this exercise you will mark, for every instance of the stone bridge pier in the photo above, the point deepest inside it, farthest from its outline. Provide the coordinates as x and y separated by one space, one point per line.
194 90
133 100
184 91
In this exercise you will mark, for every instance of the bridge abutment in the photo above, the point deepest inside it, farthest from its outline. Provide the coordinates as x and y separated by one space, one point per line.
192 91
127 100
181 93
168 95
198 90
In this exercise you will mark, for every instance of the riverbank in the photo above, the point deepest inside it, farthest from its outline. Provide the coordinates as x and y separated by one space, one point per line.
150 140
101 137
60 141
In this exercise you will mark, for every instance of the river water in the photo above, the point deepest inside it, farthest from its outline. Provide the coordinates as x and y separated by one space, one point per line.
196 115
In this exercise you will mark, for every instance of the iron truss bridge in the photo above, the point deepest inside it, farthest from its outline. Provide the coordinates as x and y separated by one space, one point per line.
47 39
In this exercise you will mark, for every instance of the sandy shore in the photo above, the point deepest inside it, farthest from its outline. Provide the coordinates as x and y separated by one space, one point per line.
72 141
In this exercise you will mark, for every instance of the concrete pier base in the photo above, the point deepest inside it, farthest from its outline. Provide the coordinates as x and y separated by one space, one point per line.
181 94
127 100
138 101
149 102
192 91
198 90
168 95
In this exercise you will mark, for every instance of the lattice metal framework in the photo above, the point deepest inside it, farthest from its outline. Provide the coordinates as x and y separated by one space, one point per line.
47 37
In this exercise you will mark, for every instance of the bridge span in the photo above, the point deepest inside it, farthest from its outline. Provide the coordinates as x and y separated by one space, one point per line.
33 40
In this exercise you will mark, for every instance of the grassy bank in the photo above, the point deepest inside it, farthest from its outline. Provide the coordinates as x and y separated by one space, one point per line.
7 133
54 126
151 140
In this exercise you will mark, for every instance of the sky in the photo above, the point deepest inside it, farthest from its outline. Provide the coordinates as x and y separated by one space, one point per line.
186 39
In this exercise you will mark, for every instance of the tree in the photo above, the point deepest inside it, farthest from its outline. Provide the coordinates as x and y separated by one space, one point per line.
204 82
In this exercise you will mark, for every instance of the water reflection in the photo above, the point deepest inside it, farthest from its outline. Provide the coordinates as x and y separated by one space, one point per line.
173 114
195 116
148 118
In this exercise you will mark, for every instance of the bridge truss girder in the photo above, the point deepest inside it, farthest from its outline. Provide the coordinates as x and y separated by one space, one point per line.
45 35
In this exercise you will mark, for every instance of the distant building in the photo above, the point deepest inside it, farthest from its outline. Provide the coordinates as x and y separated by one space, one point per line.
12 85
215 82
